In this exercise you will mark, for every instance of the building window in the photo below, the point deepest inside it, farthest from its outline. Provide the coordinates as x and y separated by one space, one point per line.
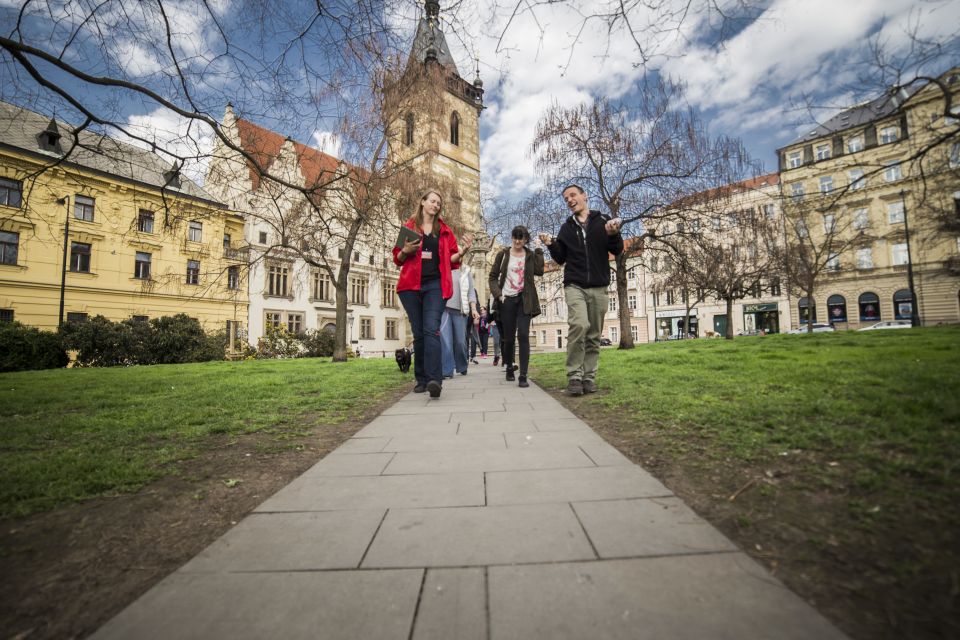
826 184
612 305
823 151
857 181
271 320
837 308
80 257
277 280
391 329
233 277
895 212
83 208
11 192
861 218
358 291
263 237
892 172
145 221
833 262
898 254
889 134
796 192
954 160
854 144
322 286
543 309
801 228
6 315
389 294
77 317
902 304
455 128
794 159
632 302
670 296
829 223
614 335
865 258
633 332
193 272
295 323
869 304
366 328
408 133
774 287
9 247
769 211
807 313
195 232
226 241
141 265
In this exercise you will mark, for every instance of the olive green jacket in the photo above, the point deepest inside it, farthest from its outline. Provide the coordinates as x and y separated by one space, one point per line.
532 266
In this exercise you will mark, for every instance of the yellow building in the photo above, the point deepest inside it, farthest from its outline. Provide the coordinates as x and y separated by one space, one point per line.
92 226
876 200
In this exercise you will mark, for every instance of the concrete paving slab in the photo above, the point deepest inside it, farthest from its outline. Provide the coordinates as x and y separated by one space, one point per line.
378 492
571 485
459 442
453 604
721 597
462 537
553 439
561 423
290 542
350 464
385 428
359 444
333 605
604 455
501 427
507 460
653 527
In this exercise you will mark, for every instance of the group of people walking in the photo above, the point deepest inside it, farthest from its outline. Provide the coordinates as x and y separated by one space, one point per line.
437 291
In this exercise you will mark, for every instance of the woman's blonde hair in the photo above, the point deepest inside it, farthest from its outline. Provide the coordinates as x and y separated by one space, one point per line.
419 216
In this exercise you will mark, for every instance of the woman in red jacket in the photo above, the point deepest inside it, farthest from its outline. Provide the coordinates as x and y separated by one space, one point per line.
424 284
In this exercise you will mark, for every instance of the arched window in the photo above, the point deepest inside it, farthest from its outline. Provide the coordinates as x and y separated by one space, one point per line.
408 134
836 308
807 314
869 304
455 128
902 304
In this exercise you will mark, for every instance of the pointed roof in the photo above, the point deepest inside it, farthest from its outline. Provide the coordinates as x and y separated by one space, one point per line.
430 39
264 145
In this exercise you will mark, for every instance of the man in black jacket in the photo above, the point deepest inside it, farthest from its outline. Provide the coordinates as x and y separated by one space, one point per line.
582 246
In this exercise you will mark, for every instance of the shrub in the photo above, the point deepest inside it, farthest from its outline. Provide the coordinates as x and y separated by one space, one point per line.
102 343
179 338
277 342
318 343
25 348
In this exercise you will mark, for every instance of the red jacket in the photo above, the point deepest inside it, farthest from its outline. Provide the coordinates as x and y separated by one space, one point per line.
410 268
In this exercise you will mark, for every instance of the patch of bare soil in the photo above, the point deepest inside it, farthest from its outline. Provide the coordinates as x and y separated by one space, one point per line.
876 576
68 571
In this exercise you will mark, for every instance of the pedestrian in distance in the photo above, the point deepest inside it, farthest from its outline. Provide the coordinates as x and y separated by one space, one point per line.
426 264
583 246
511 283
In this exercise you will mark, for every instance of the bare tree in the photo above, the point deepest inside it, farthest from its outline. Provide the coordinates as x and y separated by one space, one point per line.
636 159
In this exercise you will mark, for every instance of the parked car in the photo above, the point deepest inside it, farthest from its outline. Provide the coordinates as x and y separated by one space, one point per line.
817 328
605 342
888 324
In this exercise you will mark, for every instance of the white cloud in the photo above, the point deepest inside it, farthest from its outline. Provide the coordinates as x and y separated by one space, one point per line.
179 137
328 142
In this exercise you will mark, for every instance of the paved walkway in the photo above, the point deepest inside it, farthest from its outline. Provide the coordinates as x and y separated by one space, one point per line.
490 513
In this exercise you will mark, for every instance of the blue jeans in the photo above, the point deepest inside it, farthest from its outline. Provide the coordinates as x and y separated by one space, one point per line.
424 308
453 338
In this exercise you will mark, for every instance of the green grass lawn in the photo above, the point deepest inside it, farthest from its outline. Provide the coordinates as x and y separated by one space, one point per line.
72 434
887 402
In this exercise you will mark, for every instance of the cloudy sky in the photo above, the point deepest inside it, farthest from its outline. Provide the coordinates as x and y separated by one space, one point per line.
752 85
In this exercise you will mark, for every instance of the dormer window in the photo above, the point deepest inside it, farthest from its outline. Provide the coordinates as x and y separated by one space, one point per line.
49 138
889 134
171 177
455 128
794 159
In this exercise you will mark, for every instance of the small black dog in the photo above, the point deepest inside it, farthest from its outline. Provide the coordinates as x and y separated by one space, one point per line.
403 359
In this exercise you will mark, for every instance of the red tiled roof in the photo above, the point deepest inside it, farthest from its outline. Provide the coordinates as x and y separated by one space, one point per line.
264 145
729 189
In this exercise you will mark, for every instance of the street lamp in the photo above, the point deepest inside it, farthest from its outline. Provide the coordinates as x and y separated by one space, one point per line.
914 302
66 240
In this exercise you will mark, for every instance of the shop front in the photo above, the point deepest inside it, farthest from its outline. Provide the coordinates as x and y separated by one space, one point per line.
761 318
671 324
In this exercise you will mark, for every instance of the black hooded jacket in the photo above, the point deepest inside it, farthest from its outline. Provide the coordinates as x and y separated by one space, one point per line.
586 259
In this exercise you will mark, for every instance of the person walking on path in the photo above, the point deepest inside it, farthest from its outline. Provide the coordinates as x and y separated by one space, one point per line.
484 331
425 282
493 322
453 325
582 246
511 282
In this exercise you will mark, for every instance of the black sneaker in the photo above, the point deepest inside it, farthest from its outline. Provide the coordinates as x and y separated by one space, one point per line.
420 388
589 386
434 388
510 376
575 387
523 382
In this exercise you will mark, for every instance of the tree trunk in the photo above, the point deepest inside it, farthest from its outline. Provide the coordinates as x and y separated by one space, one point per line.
729 333
626 334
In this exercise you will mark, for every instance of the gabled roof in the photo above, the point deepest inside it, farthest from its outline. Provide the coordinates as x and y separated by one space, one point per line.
264 145
21 128
430 36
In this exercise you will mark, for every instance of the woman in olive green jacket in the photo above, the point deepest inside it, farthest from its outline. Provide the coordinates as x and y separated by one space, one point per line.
512 287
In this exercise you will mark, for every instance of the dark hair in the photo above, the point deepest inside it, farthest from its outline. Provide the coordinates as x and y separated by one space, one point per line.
520 233
573 185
